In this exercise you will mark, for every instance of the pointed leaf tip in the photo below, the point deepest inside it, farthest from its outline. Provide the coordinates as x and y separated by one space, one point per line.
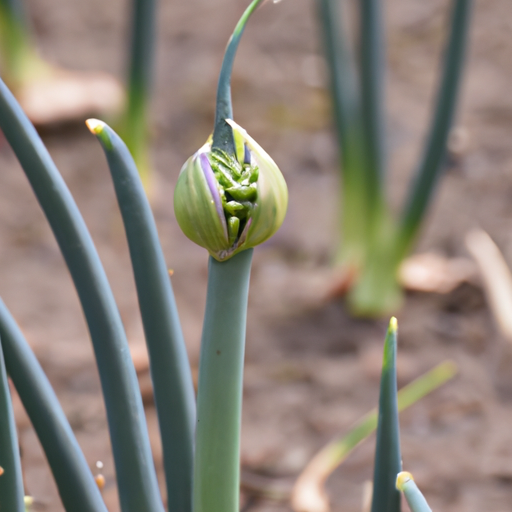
402 478
415 499
97 127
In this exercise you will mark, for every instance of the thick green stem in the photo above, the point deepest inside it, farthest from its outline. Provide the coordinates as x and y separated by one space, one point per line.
222 132
377 292
11 479
219 400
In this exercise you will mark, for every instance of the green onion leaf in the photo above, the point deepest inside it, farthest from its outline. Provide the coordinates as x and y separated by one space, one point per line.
388 459
75 482
431 165
169 365
136 476
11 479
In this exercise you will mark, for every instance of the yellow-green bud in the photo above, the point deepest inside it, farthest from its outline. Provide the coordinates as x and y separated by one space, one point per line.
228 203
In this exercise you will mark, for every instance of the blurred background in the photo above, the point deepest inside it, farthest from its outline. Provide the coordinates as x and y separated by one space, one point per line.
311 369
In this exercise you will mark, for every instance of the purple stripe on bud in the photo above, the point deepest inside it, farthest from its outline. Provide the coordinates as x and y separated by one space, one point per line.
247 154
212 185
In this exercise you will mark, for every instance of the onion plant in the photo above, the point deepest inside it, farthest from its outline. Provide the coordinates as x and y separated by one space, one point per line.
18 57
308 494
230 196
21 65
373 241
246 203
388 479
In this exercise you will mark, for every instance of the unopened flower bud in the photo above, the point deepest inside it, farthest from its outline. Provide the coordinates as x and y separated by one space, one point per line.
228 203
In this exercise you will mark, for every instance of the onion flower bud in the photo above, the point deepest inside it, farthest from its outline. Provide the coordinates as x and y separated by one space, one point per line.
227 203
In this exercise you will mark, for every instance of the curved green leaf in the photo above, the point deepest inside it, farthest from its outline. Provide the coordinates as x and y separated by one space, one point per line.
77 488
388 459
169 364
11 479
136 477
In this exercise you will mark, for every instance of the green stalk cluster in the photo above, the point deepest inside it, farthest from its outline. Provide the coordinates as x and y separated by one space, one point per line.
373 242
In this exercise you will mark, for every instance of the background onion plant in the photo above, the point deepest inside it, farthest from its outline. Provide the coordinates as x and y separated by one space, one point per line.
373 242
23 68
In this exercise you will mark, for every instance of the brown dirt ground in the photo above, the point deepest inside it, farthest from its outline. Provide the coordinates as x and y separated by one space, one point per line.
311 369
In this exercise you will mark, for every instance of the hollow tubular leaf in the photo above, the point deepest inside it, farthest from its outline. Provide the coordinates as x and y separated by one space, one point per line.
388 460
222 133
219 397
136 477
170 368
431 164
11 479
75 482
415 499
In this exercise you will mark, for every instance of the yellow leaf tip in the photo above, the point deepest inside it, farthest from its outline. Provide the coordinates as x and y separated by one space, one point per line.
402 478
95 126
393 324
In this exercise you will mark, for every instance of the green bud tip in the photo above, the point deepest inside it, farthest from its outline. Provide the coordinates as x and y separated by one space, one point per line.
230 202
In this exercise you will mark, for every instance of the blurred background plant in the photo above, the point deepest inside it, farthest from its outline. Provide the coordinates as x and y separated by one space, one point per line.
134 125
372 243
50 94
